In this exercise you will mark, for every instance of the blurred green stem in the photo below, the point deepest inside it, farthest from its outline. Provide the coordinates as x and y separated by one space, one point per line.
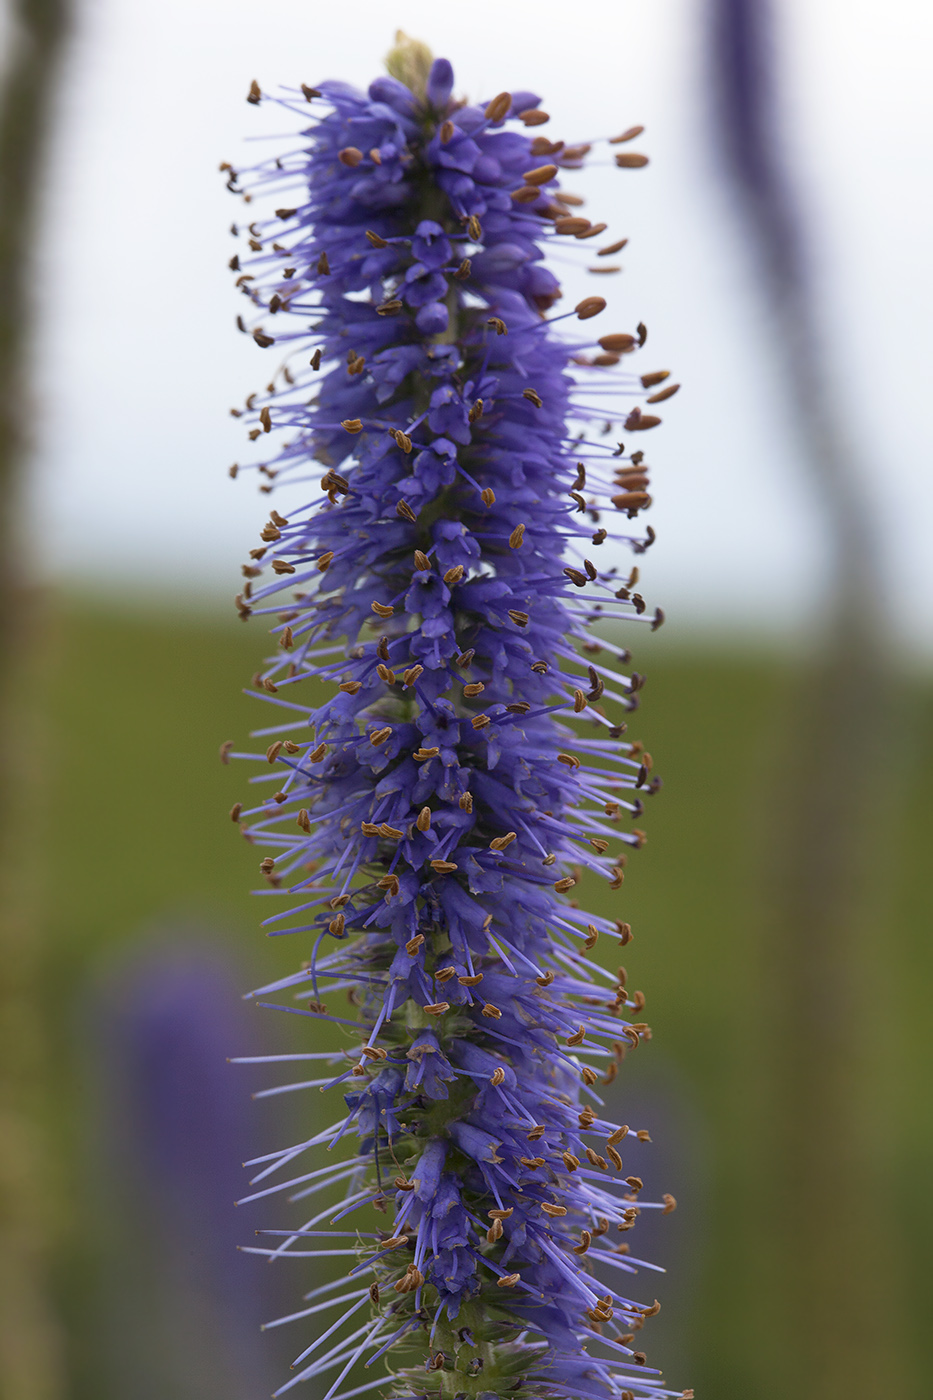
30 1353
829 1231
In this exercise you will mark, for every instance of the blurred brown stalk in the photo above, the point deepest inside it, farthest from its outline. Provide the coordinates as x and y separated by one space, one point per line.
817 1298
31 1365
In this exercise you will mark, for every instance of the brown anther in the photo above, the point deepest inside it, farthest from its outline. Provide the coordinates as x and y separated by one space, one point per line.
585 1241
389 308
411 675
446 132
463 271
488 496
389 883
669 1203
579 701
225 748
391 833
315 361
613 1156
657 376
497 1213
454 574
405 512
663 394
350 687
263 340
613 248
572 224
375 239
352 425
545 979
525 194
508 1281
267 865
642 1134
385 673
592 232
499 843
555 1211
423 822
255 93
494 1232
628 135
589 307
569 760
444 867
586 1117
631 160
535 1133
382 609
379 736
350 155
474 228
570 1161
422 562
323 267
235 811
498 325
444 974
497 1077
374 1294
317 754
533 397
474 689
499 107
265 418
422 755
438 1008
578 1037
413 944
620 341
517 537
519 618
466 802
540 175
395 1242
635 1182
273 751
480 721
491 1012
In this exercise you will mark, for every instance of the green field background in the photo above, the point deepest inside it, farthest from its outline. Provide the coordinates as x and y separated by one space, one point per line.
132 841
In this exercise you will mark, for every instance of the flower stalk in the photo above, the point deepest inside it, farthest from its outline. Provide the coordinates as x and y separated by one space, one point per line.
433 813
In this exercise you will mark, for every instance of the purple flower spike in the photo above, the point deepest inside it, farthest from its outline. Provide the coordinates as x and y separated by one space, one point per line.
447 754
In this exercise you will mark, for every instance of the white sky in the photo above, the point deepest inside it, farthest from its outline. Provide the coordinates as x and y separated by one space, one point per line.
139 361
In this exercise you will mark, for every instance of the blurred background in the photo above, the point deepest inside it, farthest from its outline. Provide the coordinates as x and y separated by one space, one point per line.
779 255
